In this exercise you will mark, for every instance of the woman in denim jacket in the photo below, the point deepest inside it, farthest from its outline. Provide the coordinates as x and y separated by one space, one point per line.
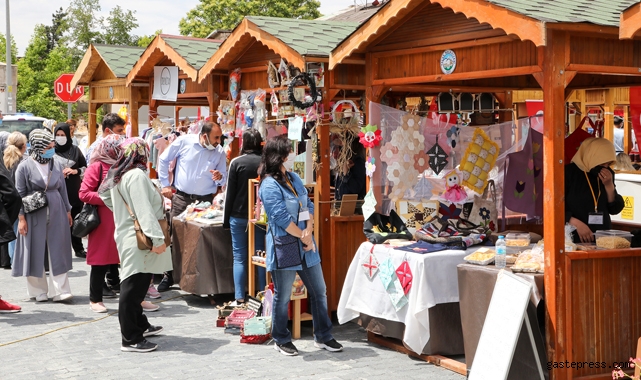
290 211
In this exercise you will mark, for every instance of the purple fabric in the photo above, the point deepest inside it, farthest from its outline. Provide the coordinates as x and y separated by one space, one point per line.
523 185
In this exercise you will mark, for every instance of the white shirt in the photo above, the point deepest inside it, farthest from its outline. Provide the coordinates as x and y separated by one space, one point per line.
44 170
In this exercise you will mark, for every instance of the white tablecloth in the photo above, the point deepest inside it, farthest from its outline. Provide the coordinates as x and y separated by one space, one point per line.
434 281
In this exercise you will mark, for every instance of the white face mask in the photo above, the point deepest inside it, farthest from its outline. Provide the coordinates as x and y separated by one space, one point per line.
61 140
207 144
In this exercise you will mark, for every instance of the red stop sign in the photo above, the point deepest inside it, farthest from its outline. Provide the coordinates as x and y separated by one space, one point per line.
62 89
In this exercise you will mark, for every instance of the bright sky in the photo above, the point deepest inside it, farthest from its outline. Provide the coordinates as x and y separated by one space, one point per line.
151 14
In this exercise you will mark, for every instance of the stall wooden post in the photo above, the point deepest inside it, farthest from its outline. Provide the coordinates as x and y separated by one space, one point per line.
92 127
554 84
608 117
134 97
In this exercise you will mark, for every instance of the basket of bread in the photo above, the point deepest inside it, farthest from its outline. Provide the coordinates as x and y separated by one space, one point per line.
530 261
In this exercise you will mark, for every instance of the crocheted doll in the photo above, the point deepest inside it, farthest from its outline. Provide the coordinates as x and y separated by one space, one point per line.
454 192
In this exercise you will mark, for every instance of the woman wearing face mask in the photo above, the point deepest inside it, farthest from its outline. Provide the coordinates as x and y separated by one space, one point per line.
590 194
74 165
46 228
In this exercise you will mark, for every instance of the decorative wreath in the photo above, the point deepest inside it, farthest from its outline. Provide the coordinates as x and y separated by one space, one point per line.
307 79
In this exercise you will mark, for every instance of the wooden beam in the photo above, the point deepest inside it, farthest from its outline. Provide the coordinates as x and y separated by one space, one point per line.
454 41
630 22
134 95
348 87
554 199
86 67
455 45
498 73
92 127
322 190
190 95
109 82
608 115
603 70
582 28
435 89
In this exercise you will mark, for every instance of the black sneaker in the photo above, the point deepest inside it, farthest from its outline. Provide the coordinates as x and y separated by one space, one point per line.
82 255
142 346
166 283
287 349
330 345
108 293
152 330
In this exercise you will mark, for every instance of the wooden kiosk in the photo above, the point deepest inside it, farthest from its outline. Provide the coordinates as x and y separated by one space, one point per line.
592 298
104 69
259 40
189 54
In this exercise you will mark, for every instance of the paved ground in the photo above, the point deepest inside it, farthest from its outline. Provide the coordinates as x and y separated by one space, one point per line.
51 340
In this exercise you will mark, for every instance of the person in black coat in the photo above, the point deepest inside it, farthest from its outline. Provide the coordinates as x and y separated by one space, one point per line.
355 181
9 210
75 164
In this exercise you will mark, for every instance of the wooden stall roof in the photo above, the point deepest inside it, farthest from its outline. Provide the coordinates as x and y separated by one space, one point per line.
292 39
188 53
526 19
117 58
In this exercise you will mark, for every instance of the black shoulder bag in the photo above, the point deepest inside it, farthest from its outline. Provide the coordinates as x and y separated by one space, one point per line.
286 248
88 219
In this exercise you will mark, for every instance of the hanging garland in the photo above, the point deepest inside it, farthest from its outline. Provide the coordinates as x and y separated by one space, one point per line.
309 81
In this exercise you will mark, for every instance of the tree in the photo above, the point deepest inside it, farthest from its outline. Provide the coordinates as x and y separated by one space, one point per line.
119 25
210 15
144 41
55 31
83 14
3 49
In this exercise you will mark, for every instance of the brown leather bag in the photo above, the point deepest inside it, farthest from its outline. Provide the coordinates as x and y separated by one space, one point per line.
144 242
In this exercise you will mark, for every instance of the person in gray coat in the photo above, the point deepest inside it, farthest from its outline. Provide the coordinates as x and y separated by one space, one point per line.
45 228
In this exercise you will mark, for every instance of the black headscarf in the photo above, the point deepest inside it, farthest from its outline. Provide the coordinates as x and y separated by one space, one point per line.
65 128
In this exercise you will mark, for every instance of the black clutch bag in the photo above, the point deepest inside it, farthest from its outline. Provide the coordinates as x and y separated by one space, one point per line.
86 221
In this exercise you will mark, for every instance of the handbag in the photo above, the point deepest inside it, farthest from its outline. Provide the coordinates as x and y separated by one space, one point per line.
88 219
484 212
380 228
143 241
38 199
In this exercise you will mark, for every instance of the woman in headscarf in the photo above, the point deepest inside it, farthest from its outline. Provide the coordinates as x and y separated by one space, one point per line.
14 154
5 256
590 194
127 187
46 228
102 253
74 165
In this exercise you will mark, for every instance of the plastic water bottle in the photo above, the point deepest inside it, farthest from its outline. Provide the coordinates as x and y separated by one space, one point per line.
501 251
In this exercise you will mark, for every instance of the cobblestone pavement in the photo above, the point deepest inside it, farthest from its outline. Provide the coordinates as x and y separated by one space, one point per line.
66 341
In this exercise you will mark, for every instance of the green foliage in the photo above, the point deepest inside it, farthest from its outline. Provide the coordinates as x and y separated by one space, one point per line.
86 28
144 41
119 25
3 49
211 15
55 31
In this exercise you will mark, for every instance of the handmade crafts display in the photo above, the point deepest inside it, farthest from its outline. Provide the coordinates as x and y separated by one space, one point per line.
272 75
392 285
404 274
437 158
523 183
234 84
454 192
369 204
273 99
227 115
484 212
416 214
308 81
260 112
345 114
478 160
380 228
406 142
370 166
370 136
370 264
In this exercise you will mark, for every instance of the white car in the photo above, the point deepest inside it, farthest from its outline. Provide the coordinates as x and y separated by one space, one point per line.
24 123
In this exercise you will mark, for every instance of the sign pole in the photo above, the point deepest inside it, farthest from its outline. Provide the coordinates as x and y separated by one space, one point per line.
9 72
68 111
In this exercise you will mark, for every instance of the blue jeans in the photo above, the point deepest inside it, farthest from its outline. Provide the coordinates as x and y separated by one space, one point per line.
12 245
316 301
239 239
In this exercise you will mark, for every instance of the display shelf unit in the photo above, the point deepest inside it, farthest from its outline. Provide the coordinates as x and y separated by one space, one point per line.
253 217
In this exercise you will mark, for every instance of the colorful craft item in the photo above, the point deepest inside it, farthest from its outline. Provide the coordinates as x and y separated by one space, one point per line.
397 295
437 158
421 162
122 112
404 274
234 84
478 160
416 214
450 211
387 273
453 136
370 166
370 136
370 264
454 192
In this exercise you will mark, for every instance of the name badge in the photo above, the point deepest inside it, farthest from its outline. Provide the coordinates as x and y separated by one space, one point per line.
595 218
303 215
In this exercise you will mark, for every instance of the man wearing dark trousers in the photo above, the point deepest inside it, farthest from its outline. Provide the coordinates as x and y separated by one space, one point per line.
201 168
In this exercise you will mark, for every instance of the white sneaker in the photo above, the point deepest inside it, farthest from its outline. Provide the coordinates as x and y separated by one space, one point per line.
62 297
42 298
148 306
98 307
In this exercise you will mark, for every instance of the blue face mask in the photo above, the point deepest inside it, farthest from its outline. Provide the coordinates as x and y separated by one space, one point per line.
49 153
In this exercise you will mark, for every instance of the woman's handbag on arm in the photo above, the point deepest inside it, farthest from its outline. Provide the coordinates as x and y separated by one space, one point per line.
38 199
88 219
143 241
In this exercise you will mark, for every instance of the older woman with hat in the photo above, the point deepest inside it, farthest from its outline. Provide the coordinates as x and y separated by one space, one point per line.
46 228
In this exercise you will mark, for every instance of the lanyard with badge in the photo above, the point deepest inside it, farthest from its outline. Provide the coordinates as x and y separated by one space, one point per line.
596 217
303 214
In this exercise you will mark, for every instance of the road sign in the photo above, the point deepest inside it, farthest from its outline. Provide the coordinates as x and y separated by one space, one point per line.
62 89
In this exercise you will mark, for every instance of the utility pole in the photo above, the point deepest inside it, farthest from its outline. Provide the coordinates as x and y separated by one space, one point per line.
9 73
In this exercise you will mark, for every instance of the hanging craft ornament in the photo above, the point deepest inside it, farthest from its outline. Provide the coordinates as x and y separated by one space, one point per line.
370 136
438 158
234 84
404 274
387 273
308 80
370 264
478 160
370 166
122 112
369 204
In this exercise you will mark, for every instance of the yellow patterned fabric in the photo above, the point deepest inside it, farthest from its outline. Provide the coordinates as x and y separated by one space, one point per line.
478 160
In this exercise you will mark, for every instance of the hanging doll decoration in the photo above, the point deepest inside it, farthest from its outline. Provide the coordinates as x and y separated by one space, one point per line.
283 71
370 136
274 101
234 84
260 113
454 192
272 75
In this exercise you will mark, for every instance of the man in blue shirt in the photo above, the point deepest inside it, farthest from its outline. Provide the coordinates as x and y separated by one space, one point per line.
201 169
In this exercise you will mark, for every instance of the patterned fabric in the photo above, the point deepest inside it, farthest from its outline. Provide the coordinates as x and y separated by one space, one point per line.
404 274
478 160
108 150
370 264
135 155
40 140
